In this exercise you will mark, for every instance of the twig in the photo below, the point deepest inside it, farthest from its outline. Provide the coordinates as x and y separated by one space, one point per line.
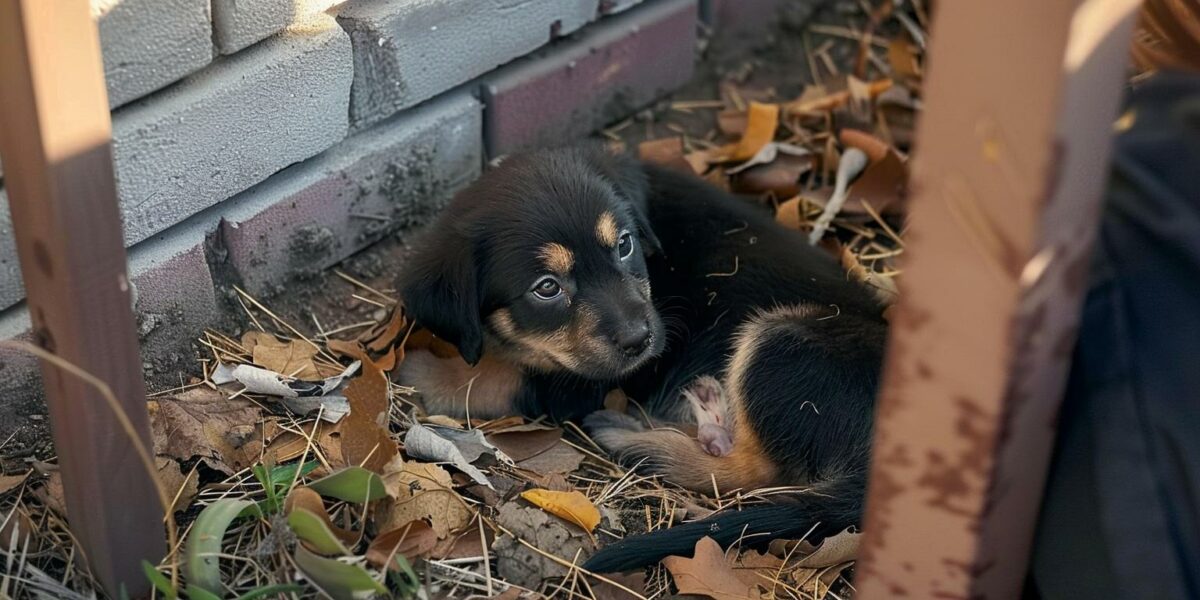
852 163
386 298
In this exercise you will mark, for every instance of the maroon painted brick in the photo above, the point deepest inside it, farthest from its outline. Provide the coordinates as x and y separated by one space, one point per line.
611 68
174 298
395 175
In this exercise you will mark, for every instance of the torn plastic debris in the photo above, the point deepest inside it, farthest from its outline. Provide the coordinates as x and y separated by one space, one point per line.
301 397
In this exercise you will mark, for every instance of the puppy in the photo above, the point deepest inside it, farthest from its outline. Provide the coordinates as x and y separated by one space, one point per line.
563 274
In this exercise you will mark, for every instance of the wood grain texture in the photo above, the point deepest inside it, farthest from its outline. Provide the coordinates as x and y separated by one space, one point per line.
1005 191
55 139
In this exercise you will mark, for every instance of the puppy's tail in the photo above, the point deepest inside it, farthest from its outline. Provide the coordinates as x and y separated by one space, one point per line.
837 505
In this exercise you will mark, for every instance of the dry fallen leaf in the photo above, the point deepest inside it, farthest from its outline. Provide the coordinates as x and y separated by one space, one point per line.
732 122
52 494
455 446
760 131
257 380
421 491
874 147
382 336
10 482
364 433
791 213
202 422
667 152
835 550
571 506
708 573
354 349
466 544
603 590
817 102
550 481
179 485
293 358
282 446
780 177
559 458
884 287
883 185
813 570
413 540
18 532
523 445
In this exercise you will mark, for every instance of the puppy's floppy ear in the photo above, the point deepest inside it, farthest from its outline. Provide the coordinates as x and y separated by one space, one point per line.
634 186
440 289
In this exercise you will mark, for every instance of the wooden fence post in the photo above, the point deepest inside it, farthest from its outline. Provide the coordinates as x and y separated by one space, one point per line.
55 138
1011 159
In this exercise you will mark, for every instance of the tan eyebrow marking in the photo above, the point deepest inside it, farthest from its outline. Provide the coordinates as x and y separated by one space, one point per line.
557 258
606 229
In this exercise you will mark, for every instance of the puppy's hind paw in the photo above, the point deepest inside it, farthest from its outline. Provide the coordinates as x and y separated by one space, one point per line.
612 430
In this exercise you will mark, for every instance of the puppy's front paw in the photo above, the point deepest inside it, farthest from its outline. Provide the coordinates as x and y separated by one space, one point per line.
612 430
715 439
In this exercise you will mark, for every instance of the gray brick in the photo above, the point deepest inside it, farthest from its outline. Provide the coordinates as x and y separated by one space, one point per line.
169 273
609 70
406 52
148 44
231 125
240 23
11 288
315 214
612 7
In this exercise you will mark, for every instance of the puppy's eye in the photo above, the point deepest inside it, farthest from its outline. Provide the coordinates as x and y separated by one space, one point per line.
547 289
625 245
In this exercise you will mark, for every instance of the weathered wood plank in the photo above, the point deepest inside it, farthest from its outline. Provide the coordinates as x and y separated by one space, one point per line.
1011 158
55 138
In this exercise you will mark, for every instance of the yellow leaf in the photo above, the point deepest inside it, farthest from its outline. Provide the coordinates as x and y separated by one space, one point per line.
571 506
760 131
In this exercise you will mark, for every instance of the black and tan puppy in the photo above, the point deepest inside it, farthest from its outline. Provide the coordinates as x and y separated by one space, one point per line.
561 275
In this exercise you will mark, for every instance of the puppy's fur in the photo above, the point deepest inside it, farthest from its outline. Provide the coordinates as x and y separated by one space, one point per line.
663 283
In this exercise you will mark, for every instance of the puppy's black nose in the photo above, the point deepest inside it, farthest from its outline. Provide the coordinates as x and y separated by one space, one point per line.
633 338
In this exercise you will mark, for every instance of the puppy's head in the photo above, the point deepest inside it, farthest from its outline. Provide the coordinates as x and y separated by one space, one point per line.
542 262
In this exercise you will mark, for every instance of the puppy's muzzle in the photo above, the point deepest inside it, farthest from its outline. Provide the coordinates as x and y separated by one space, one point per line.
633 338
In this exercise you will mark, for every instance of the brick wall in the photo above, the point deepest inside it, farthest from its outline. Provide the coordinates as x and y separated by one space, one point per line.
248 135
